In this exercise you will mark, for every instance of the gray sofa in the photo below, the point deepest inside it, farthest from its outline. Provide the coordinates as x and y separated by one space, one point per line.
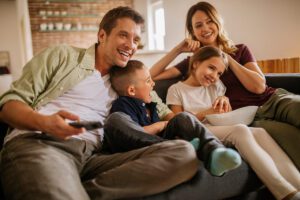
241 183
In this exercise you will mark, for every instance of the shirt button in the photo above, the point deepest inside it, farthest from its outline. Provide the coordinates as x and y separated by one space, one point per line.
61 88
143 104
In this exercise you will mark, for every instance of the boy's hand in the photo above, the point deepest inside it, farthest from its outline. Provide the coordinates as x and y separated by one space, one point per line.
156 127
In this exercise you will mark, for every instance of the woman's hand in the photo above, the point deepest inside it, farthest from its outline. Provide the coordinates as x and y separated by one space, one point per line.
222 104
188 45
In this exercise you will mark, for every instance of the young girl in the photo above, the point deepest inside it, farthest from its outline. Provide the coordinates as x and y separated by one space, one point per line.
202 93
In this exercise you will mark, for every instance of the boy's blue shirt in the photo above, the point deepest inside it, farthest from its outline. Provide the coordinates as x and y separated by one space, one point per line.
136 109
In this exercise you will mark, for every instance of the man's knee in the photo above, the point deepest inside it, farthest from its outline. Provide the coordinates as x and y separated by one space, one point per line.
185 157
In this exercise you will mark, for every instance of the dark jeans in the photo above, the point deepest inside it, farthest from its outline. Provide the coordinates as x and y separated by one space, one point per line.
123 134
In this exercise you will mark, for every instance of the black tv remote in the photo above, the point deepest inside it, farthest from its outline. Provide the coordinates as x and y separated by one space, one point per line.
88 125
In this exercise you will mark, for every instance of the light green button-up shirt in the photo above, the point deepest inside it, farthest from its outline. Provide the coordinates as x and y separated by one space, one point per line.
51 73
54 71
161 107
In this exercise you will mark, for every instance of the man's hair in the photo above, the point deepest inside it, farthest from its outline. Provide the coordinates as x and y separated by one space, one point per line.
110 18
122 77
206 53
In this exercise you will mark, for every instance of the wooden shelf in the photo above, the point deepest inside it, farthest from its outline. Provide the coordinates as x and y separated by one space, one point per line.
71 30
70 16
75 1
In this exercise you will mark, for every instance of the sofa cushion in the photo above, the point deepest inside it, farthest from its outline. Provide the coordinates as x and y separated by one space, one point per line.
244 115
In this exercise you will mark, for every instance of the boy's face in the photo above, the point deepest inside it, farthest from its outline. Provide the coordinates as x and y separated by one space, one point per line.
143 85
119 46
209 71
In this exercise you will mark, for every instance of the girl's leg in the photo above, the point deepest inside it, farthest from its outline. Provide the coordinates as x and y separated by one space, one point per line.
241 137
283 163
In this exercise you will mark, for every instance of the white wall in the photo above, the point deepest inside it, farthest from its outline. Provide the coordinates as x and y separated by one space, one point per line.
271 28
13 38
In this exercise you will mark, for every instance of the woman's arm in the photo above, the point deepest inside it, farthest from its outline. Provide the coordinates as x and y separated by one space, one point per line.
158 70
249 75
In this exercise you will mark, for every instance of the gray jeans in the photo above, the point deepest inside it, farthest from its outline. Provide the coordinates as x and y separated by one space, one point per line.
37 166
123 134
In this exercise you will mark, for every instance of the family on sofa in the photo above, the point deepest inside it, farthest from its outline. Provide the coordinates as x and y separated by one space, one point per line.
46 158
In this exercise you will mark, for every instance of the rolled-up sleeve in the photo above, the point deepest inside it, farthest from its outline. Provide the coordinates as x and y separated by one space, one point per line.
162 108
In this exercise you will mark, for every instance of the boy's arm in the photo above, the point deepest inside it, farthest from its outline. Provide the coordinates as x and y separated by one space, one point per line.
155 128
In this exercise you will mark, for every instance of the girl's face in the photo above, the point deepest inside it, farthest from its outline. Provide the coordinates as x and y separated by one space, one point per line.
208 72
205 30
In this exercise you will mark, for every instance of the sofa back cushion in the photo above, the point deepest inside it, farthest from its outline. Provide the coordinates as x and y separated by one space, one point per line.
289 81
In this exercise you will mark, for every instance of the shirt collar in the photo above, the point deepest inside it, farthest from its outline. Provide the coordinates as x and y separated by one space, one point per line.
88 60
139 101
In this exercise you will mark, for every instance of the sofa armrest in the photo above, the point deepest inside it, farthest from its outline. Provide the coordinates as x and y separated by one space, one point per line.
288 81
3 130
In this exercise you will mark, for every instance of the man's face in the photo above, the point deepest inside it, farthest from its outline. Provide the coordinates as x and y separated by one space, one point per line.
119 46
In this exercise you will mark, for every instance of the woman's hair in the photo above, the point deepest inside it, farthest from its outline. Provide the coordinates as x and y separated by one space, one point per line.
206 53
122 77
110 18
223 41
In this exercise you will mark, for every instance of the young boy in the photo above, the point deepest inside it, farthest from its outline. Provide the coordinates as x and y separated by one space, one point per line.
137 99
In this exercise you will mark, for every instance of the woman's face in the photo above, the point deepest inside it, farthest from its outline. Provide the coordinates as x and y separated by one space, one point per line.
205 30
209 71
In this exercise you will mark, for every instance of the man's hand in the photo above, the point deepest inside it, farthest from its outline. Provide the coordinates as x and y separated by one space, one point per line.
57 126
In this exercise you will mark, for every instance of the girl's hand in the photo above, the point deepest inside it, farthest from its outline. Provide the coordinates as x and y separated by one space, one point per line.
201 115
188 45
222 104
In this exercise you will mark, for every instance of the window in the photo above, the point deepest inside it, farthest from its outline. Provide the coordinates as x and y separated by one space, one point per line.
156 25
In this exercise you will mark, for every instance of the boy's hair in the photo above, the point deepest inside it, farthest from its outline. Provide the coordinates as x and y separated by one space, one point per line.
110 18
205 53
122 77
